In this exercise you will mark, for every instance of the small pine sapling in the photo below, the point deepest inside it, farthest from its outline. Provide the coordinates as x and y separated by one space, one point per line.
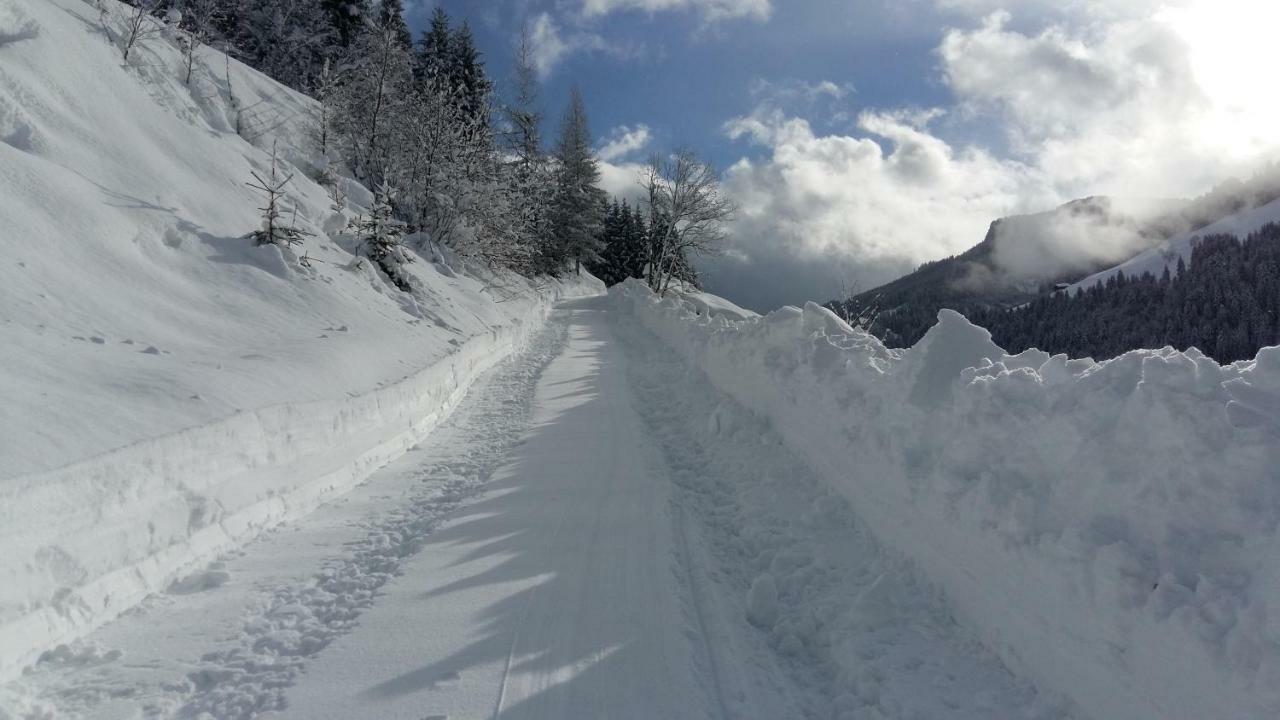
274 230
381 237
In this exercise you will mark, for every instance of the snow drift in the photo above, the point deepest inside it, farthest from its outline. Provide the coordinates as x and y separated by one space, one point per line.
1110 529
168 389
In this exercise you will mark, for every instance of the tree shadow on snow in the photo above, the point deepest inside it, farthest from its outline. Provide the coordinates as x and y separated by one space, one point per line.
226 250
569 655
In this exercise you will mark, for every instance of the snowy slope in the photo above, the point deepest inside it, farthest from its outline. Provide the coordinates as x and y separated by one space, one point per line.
712 305
1166 255
168 389
1110 529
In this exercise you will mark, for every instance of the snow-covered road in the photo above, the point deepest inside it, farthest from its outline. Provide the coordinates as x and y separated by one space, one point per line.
550 596
594 533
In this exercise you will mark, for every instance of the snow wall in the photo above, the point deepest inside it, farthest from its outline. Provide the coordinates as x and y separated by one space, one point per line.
83 543
1109 529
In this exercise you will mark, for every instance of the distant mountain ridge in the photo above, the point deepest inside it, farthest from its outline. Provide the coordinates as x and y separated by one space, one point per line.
1025 257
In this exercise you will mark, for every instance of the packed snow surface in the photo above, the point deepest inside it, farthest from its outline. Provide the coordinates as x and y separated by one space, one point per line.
594 532
170 390
237 481
1109 529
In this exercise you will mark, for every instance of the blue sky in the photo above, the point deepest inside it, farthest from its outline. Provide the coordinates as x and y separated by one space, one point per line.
684 78
864 137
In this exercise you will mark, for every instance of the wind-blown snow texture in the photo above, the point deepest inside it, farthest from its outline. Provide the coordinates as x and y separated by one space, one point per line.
1110 529
170 390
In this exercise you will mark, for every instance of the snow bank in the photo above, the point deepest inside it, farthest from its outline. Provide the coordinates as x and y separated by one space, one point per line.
708 304
168 389
1110 529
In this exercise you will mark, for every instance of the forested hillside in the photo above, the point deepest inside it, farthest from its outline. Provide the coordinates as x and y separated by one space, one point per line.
989 278
1226 303
419 122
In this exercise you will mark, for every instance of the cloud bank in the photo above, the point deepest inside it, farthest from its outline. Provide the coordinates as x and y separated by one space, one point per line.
1152 99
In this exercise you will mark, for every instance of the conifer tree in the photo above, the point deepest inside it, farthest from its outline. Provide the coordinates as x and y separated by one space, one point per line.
576 208
391 16
466 72
347 18
435 49
274 230
528 172
381 237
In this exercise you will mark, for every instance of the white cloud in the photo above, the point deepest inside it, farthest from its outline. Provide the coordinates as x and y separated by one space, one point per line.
550 45
1165 103
622 180
547 46
844 201
624 141
1138 98
782 92
709 10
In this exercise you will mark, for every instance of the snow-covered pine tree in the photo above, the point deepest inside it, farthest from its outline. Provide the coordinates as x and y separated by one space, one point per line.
346 18
432 60
390 15
577 206
381 237
637 242
286 39
274 230
528 172
466 72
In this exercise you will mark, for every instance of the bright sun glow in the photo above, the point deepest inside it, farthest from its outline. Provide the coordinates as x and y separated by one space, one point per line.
1232 53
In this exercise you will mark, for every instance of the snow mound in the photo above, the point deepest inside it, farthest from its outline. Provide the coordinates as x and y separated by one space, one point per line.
1167 254
713 305
1109 529
170 390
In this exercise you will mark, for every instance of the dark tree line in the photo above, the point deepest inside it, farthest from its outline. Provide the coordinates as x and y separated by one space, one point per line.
1226 303
631 242
902 311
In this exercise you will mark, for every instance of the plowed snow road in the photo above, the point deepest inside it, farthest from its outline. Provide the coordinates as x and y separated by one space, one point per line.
594 533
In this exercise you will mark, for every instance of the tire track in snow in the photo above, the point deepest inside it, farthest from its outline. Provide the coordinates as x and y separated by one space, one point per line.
515 639
698 608
851 632
297 622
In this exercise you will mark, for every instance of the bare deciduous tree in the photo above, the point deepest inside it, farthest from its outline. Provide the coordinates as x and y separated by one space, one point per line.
196 28
688 211
139 23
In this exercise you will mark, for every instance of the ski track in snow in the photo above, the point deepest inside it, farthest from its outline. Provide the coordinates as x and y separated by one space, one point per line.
291 624
854 634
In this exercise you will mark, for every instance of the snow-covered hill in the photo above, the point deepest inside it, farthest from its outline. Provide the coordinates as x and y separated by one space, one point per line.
1167 254
1109 529
168 389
